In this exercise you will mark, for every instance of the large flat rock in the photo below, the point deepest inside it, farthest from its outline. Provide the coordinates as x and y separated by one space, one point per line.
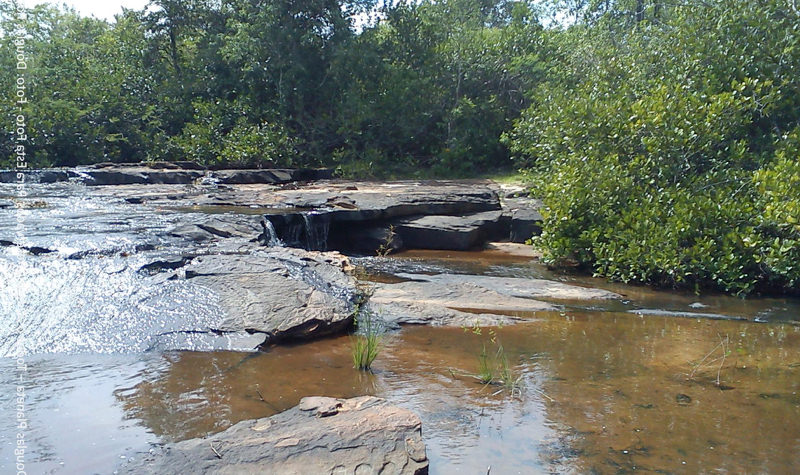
274 176
518 287
440 215
363 435
285 294
471 300
450 304
137 175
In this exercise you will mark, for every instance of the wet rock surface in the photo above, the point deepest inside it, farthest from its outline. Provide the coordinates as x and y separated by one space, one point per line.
220 227
347 216
163 173
231 246
319 435
285 294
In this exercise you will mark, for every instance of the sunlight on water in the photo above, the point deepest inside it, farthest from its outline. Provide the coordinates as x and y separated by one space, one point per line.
94 305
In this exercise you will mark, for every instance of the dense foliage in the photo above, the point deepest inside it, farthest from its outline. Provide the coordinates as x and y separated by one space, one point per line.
666 142
663 136
430 87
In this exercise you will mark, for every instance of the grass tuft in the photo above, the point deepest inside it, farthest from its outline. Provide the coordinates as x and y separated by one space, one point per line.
366 342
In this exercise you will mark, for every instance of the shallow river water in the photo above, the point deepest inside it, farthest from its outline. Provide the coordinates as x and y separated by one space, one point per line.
642 384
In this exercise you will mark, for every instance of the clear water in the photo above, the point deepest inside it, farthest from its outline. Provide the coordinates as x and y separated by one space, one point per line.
642 384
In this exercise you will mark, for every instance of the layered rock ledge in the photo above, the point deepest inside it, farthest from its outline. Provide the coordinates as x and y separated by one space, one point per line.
362 435
282 294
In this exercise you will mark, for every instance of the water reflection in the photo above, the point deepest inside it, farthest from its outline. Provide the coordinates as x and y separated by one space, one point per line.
501 264
600 392
74 423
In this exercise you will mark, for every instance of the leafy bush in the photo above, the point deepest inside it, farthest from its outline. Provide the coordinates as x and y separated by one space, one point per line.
214 139
662 161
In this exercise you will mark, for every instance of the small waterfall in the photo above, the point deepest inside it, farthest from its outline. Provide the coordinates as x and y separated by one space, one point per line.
317 227
80 176
270 237
292 231
307 230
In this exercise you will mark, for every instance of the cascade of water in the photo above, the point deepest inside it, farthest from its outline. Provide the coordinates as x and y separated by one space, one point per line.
270 238
53 305
316 227
292 230
80 176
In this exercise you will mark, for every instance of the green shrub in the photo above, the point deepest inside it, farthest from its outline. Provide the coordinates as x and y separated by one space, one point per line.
661 160
214 138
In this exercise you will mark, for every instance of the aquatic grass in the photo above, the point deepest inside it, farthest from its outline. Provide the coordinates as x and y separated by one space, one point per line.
506 376
494 370
485 373
364 350
367 340
724 351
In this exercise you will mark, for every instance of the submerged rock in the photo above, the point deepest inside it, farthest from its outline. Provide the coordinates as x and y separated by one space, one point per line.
466 300
675 313
319 435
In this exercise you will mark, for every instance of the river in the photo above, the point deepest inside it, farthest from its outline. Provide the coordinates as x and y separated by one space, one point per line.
659 381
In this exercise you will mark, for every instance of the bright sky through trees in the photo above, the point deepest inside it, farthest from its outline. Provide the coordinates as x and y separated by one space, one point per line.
98 8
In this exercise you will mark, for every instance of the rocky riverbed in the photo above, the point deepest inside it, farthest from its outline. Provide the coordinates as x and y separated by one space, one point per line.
174 261
258 244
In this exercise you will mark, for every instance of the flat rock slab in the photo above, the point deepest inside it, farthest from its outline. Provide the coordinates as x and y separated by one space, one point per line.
321 435
137 175
518 287
450 304
270 175
286 294
224 226
363 201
